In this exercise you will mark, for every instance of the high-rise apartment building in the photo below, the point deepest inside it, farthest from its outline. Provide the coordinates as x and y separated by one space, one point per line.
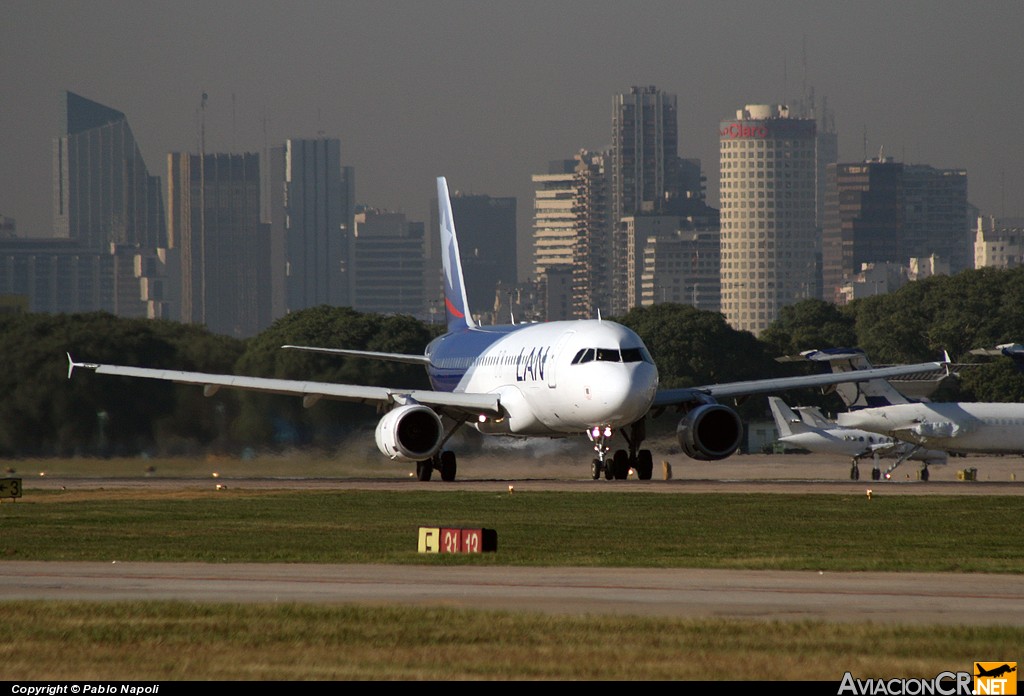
554 216
572 237
999 242
311 219
863 220
769 237
103 193
592 261
679 258
386 255
644 168
937 221
222 247
883 211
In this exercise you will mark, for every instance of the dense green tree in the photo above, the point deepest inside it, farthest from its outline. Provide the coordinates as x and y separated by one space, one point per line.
44 412
693 347
972 309
808 325
270 419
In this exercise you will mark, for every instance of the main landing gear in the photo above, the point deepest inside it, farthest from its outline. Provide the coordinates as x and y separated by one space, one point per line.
442 461
876 472
622 460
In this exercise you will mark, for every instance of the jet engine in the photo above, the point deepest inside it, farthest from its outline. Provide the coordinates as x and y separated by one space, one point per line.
710 432
412 432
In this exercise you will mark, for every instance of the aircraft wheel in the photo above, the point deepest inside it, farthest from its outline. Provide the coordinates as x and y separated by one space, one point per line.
448 466
876 474
924 473
596 468
424 469
620 463
609 470
854 473
644 465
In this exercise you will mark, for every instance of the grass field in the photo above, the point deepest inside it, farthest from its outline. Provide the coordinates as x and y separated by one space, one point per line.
179 641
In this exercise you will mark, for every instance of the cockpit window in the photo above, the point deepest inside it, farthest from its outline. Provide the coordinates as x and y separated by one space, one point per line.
632 355
626 355
637 355
585 355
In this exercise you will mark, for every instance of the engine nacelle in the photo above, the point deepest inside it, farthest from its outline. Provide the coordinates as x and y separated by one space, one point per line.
709 432
412 432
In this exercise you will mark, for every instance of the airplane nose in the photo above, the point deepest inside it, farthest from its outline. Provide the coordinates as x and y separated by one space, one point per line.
642 386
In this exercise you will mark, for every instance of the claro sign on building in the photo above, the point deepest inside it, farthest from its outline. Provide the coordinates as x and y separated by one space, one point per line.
771 128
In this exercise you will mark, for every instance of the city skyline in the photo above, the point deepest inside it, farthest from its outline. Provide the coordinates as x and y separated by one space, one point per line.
488 93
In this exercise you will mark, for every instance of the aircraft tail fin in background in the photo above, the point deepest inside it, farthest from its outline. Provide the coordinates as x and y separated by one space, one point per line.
1014 351
456 306
875 392
786 421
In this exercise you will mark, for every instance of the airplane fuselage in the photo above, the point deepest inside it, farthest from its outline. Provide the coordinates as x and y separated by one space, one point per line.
857 443
991 428
553 378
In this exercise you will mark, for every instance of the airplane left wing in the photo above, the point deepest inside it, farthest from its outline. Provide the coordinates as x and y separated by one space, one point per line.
370 354
672 397
469 405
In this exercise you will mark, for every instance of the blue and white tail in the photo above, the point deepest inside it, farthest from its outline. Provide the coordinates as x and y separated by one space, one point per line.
456 306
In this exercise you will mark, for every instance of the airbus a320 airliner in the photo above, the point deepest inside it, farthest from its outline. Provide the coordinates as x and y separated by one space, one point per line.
549 379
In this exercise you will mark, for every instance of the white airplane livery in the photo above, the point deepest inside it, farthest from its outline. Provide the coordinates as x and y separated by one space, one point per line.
810 430
980 428
545 379
983 428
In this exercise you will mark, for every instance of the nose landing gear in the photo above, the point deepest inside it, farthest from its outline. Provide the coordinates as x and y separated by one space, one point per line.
599 436
620 464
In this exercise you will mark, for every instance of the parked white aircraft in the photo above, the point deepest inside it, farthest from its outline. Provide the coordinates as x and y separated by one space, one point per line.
982 428
552 379
810 430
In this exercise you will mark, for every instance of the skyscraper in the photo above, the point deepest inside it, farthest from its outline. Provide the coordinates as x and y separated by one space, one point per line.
863 221
554 216
884 211
487 242
387 257
311 219
592 256
644 173
223 248
769 237
103 193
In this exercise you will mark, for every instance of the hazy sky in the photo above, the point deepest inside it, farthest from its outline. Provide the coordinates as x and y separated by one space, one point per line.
486 93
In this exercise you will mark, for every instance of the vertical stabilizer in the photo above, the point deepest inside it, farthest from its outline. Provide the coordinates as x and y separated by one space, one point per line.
786 422
868 394
456 306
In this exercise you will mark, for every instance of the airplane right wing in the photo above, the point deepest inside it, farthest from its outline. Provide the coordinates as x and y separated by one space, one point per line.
670 397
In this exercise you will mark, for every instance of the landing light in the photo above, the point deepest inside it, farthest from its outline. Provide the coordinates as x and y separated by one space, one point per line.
482 418
607 431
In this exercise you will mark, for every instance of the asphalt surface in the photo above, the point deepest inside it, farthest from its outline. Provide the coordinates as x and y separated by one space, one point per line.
923 598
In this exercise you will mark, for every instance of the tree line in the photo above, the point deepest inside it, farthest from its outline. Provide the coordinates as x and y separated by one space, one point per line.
43 413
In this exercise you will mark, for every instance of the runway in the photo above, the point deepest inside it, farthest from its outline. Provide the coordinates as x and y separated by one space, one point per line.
905 598
919 598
